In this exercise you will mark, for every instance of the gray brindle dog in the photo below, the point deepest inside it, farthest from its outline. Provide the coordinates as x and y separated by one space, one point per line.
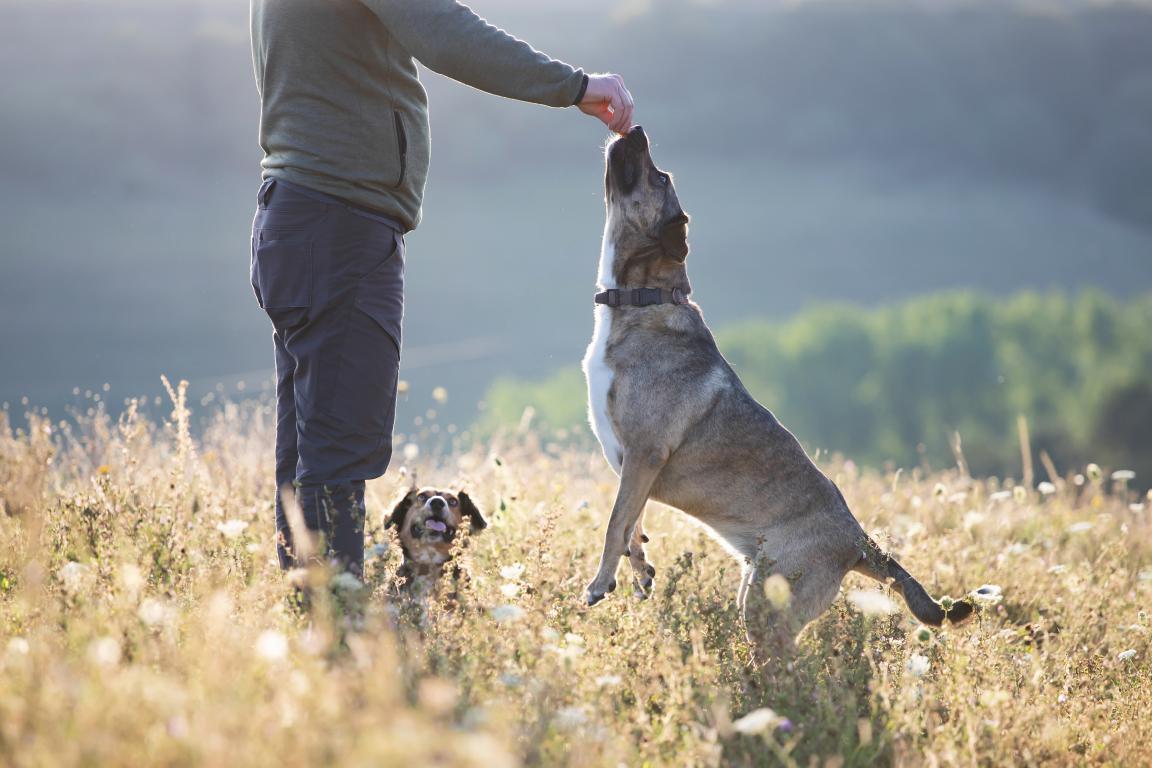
678 426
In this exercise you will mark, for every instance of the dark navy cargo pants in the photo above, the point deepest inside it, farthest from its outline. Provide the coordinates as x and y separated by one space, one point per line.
331 279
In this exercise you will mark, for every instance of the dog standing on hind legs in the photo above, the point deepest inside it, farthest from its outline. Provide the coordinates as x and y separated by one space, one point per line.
678 426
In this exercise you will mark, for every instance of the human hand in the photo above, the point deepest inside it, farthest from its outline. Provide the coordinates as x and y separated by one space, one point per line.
608 100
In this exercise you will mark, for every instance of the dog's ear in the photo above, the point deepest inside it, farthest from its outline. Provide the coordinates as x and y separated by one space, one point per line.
396 517
469 510
674 238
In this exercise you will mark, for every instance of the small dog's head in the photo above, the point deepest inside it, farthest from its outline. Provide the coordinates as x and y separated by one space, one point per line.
427 520
647 228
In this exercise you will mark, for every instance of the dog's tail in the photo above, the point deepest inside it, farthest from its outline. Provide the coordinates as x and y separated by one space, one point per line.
879 565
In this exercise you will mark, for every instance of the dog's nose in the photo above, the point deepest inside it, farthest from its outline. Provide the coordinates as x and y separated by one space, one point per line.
638 134
437 504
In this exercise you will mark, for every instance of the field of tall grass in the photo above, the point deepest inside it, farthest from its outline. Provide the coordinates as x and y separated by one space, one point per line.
143 620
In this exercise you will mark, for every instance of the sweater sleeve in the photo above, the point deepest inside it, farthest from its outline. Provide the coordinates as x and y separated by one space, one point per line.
448 37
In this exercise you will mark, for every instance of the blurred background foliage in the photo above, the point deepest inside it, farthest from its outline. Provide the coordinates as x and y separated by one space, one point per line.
895 384
829 151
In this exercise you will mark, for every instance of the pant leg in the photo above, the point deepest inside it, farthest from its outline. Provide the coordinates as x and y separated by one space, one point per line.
287 457
332 282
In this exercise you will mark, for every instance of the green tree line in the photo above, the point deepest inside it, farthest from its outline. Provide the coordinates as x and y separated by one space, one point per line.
894 385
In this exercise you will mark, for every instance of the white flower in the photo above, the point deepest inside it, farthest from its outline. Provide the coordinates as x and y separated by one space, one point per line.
272 646
1124 474
509 590
988 594
608 681
756 721
74 576
232 528
346 582
507 613
918 665
1046 488
1127 655
871 603
573 639
155 612
570 718
1081 527
1000 496
1058 569
512 572
18 646
104 652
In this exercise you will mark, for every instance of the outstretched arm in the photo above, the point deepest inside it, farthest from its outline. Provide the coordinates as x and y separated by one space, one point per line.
448 37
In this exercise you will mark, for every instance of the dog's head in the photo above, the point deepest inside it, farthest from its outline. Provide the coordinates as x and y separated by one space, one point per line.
428 520
647 229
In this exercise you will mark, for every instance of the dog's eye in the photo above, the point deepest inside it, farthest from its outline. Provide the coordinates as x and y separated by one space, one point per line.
422 497
452 502
664 179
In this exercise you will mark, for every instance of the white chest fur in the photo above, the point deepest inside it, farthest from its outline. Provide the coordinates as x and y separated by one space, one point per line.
596 369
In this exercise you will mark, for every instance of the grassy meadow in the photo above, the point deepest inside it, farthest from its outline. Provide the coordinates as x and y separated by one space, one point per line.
143 620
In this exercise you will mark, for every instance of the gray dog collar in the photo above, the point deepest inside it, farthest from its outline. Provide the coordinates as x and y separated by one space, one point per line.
641 297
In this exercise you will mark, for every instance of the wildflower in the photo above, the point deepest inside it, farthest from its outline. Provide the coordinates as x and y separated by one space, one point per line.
784 726
1046 488
871 603
1123 475
272 646
346 582
507 613
155 613
1127 655
103 469
509 589
778 591
570 718
132 580
232 528
104 652
988 595
1093 472
757 721
1000 496
1081 527
608 681
918 665
18 646
1136 507
1020 494
74 576
512 572
939 491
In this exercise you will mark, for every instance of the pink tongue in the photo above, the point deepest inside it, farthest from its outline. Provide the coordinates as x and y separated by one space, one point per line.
435 525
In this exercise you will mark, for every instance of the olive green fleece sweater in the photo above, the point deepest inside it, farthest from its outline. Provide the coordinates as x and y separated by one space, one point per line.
342 108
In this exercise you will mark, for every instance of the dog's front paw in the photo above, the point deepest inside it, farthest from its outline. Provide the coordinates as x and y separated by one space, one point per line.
642 587
595 593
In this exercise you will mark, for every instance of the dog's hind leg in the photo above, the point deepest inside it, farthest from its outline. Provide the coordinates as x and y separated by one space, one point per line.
639 472
774 616
642 571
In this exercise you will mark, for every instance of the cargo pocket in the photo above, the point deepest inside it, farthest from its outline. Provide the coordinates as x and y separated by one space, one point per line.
282 275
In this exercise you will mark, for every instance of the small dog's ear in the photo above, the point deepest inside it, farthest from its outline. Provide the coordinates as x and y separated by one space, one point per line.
674 238
396 518
468 509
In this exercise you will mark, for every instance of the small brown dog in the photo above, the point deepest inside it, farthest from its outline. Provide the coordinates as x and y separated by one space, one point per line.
427 522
